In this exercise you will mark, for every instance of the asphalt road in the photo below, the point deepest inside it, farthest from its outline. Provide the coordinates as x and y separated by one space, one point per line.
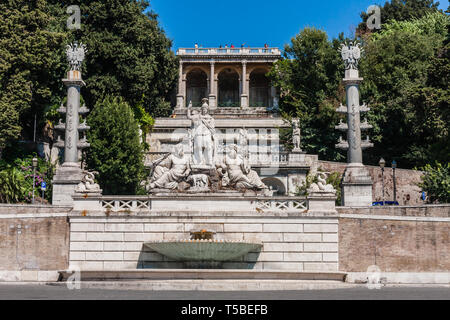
49 292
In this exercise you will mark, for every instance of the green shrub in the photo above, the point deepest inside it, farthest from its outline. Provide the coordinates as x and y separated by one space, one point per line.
16 180
436 182
12 185
116 151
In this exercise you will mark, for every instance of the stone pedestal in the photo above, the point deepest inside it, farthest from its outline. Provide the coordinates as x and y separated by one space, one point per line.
322 202
212 101
297 156
66 179
356 186
180 102
244 101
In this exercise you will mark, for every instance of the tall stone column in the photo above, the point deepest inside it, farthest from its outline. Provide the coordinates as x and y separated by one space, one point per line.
212 89
181 96
72 119
357 182
245 93
70 173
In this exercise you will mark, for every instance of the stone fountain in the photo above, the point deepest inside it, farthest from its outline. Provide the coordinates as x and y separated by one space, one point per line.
207 176
201 251
198 169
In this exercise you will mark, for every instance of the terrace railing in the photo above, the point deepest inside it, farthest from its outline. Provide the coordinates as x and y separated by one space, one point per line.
145 204
228 51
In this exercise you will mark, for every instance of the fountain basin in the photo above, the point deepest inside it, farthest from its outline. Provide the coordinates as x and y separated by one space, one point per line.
203 253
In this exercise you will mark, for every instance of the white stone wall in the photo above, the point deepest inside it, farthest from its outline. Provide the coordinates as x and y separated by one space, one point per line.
289 243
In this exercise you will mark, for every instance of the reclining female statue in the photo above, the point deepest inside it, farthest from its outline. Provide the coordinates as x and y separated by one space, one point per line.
236 172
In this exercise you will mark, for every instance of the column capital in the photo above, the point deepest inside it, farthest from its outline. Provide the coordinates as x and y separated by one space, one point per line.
244 62
212 62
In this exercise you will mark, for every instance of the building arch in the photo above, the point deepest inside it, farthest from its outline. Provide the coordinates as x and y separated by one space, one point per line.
196 86
260 88
229 88
275 184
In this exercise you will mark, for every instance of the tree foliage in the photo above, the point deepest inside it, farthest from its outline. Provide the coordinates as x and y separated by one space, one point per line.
30 65
400 10
309 81
436 182
128 52
128 55
406 69
116 151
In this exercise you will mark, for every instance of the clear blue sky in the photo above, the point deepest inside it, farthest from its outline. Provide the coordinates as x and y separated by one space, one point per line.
212 22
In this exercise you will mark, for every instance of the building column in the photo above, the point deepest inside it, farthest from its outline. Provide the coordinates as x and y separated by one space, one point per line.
181 96
212 87
245 87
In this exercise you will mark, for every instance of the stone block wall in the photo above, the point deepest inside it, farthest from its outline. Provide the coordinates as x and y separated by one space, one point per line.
33 238
289 243
396 239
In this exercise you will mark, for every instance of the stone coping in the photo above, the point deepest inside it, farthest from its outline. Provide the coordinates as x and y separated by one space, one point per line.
204 274
201 214
32 209
236 196
444 205
436 210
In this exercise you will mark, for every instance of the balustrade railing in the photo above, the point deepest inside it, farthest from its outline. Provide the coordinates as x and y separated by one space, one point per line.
282 204
117 204
229 51
144 203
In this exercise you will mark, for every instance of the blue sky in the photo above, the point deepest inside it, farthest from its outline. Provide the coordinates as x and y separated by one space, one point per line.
212 23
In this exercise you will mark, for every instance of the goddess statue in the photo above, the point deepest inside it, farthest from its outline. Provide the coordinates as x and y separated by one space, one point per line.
203 131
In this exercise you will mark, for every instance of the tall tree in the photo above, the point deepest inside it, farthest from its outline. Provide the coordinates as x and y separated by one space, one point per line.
29 63
309 81
128 55
400 10
406 82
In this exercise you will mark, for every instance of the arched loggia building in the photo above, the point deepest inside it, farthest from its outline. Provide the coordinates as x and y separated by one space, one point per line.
234 77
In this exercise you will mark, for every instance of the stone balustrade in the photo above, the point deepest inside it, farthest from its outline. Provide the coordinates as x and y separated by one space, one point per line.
226 202
228 51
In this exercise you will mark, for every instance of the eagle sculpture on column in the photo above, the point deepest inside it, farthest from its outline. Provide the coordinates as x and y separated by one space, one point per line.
351 54
75 55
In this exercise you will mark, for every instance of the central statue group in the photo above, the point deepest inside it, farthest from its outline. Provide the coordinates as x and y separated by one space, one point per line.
234 169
